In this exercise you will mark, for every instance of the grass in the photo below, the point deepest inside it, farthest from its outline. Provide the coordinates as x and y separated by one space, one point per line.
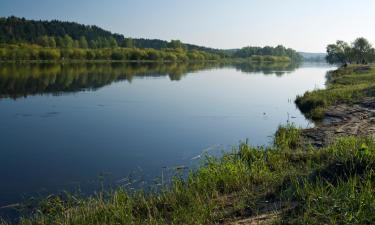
332 185
345 85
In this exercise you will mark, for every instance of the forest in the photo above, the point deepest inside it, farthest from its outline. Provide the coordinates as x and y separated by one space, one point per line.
22 39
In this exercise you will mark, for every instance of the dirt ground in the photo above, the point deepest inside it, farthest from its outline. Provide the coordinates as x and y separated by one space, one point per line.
344 120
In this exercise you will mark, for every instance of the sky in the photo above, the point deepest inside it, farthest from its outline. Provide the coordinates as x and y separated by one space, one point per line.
305 25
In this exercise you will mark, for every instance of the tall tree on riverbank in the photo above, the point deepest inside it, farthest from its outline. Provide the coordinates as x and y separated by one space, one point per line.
361 51
339 53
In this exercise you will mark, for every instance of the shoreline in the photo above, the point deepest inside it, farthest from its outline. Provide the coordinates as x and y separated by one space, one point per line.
227 60
342 120
346 107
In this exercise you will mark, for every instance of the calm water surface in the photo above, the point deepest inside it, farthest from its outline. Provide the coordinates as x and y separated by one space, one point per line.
64 126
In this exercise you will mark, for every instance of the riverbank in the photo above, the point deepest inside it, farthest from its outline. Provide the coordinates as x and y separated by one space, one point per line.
345 108
286 183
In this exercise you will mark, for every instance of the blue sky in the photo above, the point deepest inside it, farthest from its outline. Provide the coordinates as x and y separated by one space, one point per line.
305 25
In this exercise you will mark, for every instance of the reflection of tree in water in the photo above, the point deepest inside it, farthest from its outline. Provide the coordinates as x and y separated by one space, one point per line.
278 69
21 80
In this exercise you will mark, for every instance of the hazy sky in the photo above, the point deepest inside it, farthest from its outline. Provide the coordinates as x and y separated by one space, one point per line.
305 25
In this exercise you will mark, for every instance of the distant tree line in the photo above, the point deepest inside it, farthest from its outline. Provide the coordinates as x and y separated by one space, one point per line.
15 30
36 52
268 51
360 52
22 39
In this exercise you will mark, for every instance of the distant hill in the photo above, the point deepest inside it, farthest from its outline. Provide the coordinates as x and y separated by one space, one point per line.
14 30
308 56
71 35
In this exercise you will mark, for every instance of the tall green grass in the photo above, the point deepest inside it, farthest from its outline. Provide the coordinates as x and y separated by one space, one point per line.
345 85
332 185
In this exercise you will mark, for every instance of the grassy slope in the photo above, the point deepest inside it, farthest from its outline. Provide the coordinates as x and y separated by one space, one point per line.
333 185
345 85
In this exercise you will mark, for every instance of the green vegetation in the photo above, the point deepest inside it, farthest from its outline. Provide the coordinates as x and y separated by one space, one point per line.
361 51
15 30
22 39
348 84
345 85
279 51
26 52
36 52
296 184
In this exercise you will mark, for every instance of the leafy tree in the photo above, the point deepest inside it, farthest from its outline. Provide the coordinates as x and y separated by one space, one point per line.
362 50
338 53
279 50
67 41
128 43
51 42
59 42
176 44
75 44
93 44
43 41
83 42
112 42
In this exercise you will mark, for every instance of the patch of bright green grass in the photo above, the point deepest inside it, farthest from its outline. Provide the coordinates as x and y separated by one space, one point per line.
345 85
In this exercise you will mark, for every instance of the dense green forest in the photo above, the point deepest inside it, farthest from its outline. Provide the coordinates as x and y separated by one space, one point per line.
69 34
22 39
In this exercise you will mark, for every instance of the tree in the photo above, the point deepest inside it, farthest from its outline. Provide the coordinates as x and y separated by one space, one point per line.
75 44
83 42
113 42
279 50
176 44
52 42
67 41
59 42
128 43
339 53
43 41
362 50
93 44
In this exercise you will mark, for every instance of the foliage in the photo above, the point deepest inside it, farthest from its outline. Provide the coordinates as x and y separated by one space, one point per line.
36 52
288 137
361 51
268 51
15 30
347 84
67 35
